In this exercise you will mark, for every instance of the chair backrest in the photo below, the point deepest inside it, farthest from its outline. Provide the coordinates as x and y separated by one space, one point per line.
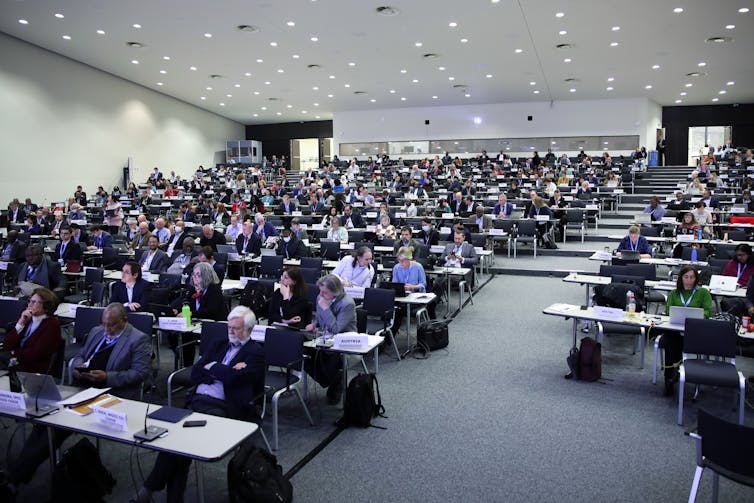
709 337
527 227
388 242
283 347
271 266
10 311
738 235
726 251
646 271
368 244
726 445
310 275
610 270
58 360
355 236
574 217
86 319
98 293
212 331
651 231
141 321
701 253
93 275
169 281
378 300
479 240
311 263
329 250
623 261
625 278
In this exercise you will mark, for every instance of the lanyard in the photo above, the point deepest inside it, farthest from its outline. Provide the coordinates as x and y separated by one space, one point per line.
360 272
686 302
100 348
740 270
634 246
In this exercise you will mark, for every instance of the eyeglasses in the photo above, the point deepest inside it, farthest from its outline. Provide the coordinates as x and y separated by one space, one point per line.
35 302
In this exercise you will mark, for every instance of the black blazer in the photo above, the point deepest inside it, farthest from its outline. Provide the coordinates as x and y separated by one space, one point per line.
240 386
430 238
254 245
141 295
296 306
293 249
216 239
291 207
72 251
211 306
17 251
356 220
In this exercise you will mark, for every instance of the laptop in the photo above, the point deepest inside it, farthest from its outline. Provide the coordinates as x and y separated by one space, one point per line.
400 288
267 251
630 255
42 394
227 249
643 218
679 314
161 310
723 283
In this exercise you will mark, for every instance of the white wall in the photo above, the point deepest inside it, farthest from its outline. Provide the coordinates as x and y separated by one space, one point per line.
65 123
635 116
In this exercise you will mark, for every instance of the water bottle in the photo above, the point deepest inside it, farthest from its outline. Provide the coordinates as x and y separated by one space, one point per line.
186 313
699 234
630 304
694 254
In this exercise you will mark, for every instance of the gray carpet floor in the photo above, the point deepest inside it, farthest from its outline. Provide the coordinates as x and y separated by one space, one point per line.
491 419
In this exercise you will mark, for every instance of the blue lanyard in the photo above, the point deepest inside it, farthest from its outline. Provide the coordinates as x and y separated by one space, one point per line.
740 271
634 246
686 302
100 348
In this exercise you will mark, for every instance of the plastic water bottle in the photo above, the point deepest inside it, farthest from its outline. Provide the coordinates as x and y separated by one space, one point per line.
186 313
630 304
694 254
699 233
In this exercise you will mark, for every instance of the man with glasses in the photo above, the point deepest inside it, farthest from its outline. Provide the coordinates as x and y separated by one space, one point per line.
67 249
41 271
132 291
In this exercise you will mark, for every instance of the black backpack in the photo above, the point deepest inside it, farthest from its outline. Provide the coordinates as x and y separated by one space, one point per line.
80 472
432 335
361 405
256 296
590 360
614 295
255 475
548 243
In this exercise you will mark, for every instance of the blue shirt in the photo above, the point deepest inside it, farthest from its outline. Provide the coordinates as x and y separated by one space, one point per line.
413 275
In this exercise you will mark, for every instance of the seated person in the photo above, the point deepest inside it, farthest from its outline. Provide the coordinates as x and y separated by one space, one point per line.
459 253
412 275
32 226
14 249
115 355
132 290
286 205
229 376
428 235
688 226
248 242
336 313
67 249
153 259
351 219
290 246
384 229
406 240
102 238
41 271
35 339
337 232
634 241
744 200
207 255
356 269
655 209
503 208
211 237
539 208
741 265
679 203
141 239
482 221
183 258
205 299
289 304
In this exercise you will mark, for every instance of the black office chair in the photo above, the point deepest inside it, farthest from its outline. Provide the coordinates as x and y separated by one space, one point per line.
329 250
379 306
526 233
10 312
91 275
86 319
622 261
508 226
620 285
271 266
610 270
725 448
575 219
312 263
310 275
710 338
143 322
181 378
355 236
368 244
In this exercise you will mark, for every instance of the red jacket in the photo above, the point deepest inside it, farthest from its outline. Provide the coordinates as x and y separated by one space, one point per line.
731 269
37 352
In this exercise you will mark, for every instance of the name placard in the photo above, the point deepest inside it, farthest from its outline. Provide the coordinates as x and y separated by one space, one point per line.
177 323
401 214
371 228
3 266
111 418
12 401
297 213
188 224
258 333
351 340
684 238
496 232
244 279
133 212
436 248
146 275
612 313
371 214
357 292
542 218
318 227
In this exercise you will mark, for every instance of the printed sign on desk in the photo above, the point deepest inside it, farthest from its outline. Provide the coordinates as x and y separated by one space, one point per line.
12 401
351 340
177 323
357 292
111 418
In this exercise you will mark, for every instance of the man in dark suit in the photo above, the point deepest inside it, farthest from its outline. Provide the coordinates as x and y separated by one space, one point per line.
459 253
101 239
710 200
456 203
247 242
176 239
16 214
679 203
155 176
468 206
351 219
210 237
428 235
291 247
286 205
186 214
41 271
66 250
14 249
229 375
79 235
132 291
153 259
262 228
503 208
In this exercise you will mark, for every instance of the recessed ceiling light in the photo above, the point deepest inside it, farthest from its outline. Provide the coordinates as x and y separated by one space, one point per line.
434 97
295 56
572 90
255 115
655 67
304 112
403 71
256 93
373 100
689 84
314 39
730 26
536 91
415 81
559 14
616 28
567 60
23 21
329 95
610 79
451 78
403 99
192 68
489 75
136 25
743 10
159 83
648 86
163 72
236 85
315 104
315 88
264 108
208 35
66 37
467 95
260 61
452 24
562 32
280 70
441 68
730 83
715 99
291 23
247 74
100 32
609 88
518 51
278 113
392 91
59 15
351 64
678 10
723 91
679 101
267 82
208 88
495 1
613 44
135 61
346 85
273 44
464 40
202 97
418 44
701 63
316 116
532 83
222 104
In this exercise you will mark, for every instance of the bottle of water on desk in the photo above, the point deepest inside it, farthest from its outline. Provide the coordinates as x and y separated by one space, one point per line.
694 254
630 304
186 313
699 234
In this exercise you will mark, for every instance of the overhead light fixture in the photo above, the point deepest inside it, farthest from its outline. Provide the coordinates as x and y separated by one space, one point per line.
192 68
291 23
452 24
255 115
715 99
418 44
260 61
730 83
295 56
682 94
489 75
648 86
562 32
59 15
403 71
615 28
315 104
236 85
689 84
256 93
159 83
135 61
559 14
202 98
610 79
572 90
163 72
451 78
278 113
415 81
329 95
315 88
655 67
247 28
403 99
247 74
23 21
730 26
467 95
100 32
351 64
518 51
723 91
464 40
609 88
136 25
207 35
701 64
567 60
273 44
743 10
314 39
613 44
392 91
536 91
66 37
532 83
222 104
267 82
280 70
208 88
678 10
434 97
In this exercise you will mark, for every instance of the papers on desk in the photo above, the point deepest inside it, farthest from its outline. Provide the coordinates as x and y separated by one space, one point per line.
83 397
103 401
177 323
564 308
602 255
3 266
436 249
258 333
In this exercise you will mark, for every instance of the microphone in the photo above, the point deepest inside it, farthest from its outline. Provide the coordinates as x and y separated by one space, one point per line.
149 433
46 408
